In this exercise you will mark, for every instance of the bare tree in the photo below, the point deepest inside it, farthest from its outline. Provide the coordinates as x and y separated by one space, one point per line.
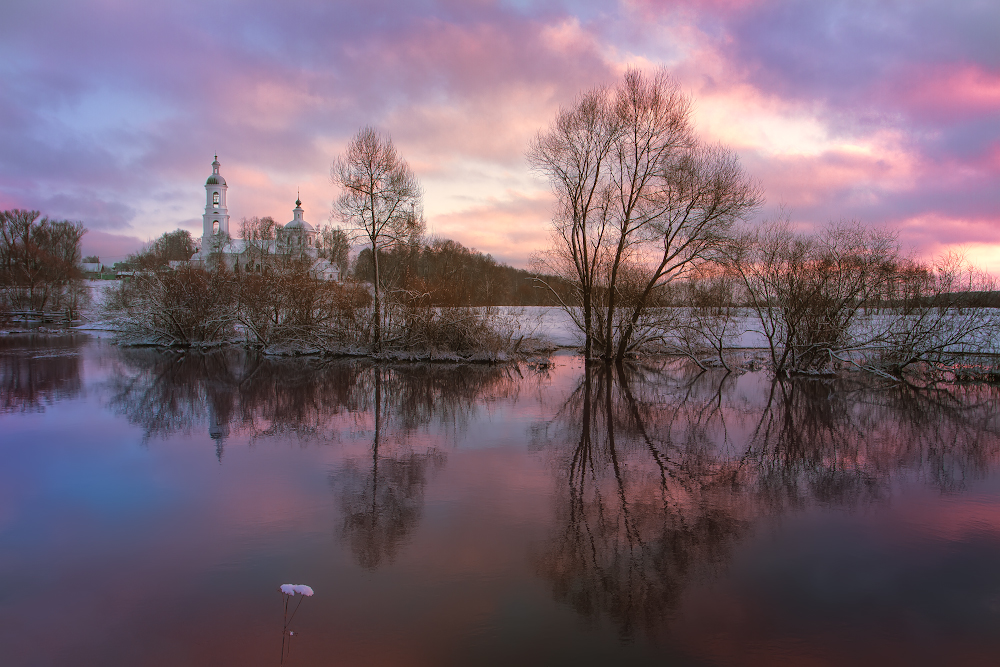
39 261
808 292
573 153
940 314
212 249
171 246
700 194
654 129
847 296
335 247
641 202
707 318
259 236
379 197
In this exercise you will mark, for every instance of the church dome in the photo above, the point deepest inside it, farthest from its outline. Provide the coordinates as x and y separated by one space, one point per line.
298 222
216 178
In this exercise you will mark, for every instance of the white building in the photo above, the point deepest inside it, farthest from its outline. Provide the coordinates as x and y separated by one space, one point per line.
215 222
297 235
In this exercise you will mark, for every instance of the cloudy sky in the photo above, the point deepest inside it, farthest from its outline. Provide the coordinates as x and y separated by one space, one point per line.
111 110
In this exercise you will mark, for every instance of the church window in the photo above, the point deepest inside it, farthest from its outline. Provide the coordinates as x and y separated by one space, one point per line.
310 240
215 199
215 227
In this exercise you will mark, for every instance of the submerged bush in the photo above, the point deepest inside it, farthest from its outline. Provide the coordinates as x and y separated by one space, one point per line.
286 308
456 329
849 297
183 307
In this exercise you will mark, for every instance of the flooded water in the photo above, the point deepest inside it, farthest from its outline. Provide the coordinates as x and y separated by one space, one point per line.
151 504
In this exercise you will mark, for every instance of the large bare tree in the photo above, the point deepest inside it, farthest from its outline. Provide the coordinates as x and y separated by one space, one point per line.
573 153
641 202
379 198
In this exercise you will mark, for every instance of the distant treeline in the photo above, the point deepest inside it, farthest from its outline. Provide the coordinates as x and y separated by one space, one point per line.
713 291
446 273
171 246
979 299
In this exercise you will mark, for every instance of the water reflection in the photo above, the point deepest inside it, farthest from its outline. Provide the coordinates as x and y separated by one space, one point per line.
382 496
663 471
641 512
729 519
230 392
36 371
843 444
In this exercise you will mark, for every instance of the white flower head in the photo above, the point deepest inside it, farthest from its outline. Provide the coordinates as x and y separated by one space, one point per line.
292 589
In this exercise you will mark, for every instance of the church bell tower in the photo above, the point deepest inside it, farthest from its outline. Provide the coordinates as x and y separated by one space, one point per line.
215 222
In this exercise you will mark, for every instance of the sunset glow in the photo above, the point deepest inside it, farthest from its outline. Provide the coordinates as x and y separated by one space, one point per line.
111 112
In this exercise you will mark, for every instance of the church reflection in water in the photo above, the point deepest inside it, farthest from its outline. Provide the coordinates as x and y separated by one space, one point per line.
660 471
324 401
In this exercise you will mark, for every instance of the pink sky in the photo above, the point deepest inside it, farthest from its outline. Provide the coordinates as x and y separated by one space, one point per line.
111 111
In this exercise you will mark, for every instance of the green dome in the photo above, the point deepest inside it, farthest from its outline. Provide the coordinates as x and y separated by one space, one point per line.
215 178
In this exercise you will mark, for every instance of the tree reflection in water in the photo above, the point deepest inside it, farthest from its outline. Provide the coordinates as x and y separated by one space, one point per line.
642 511
382 497
663 470
229 392
38 370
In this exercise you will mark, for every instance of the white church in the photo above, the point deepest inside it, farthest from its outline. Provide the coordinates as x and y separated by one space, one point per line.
296 236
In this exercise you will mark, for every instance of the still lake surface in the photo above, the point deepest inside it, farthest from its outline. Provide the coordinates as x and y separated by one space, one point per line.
151 504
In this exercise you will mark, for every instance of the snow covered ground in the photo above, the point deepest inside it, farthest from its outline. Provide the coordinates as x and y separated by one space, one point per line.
552 324
555 325
91 315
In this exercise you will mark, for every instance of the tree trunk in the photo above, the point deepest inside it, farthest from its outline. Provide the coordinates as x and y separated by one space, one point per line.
377 321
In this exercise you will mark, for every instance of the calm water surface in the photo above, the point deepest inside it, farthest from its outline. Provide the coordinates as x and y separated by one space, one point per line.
151 504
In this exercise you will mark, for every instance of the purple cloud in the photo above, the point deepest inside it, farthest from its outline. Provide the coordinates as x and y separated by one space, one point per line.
111 112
